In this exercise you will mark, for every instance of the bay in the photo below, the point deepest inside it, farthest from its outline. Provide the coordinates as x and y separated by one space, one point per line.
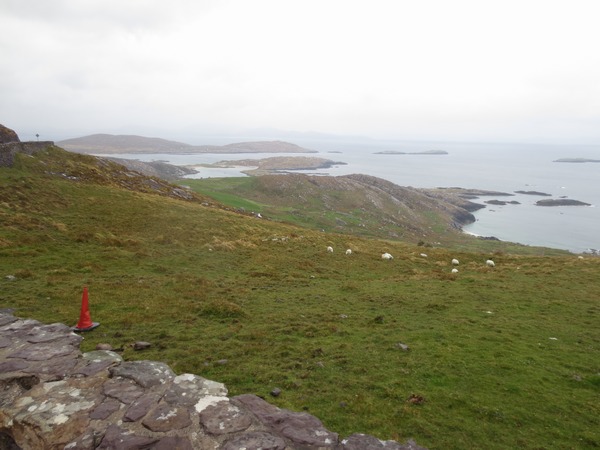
496 167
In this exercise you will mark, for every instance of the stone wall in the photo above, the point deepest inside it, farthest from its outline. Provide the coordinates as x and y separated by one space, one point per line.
54 397
8 150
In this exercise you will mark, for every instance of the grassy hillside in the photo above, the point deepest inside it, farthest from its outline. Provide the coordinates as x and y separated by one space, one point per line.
499 358
360 205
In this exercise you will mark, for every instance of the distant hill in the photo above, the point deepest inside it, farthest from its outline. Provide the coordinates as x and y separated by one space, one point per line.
109 143
259 147
360 205
113 144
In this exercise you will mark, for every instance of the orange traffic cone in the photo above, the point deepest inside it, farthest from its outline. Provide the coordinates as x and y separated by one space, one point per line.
85 321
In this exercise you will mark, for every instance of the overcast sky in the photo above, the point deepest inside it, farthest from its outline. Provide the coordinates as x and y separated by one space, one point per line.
495 70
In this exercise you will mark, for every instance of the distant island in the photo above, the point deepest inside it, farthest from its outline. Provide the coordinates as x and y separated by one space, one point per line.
114 144
561 202
427 152
577 160
277 164
533 193
502 202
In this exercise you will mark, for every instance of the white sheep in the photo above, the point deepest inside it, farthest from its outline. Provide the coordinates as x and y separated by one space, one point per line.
455 262
387 256
490 263
424 255
454 270
348 252
330 249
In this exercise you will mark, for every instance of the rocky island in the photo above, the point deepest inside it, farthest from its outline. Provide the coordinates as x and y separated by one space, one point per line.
502 202
561 202
533 193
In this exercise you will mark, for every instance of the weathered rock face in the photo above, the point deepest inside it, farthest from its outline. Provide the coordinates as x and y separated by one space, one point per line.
54 397
9 149
7 135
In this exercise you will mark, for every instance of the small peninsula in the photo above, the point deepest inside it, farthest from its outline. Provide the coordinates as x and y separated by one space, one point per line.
277 164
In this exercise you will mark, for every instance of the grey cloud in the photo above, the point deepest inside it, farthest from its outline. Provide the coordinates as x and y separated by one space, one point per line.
135 15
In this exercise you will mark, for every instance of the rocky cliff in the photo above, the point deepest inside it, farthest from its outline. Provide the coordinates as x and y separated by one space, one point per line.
54 397
7 135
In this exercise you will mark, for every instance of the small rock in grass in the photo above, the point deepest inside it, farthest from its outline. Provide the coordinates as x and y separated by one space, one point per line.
104 347
141 345
276 392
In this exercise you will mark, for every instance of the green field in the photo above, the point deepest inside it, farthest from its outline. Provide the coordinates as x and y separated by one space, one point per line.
499 358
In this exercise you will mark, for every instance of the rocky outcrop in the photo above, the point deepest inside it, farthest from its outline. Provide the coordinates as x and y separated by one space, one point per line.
54 397
157 169
9 150
7 135
10 144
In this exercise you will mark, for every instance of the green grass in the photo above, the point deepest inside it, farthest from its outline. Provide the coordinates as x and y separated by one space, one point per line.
504 358
334 207
216 191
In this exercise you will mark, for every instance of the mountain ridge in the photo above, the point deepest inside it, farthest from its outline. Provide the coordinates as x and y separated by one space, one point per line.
126 143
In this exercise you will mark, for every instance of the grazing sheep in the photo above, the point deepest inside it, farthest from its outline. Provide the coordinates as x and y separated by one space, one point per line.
454 270
490 263
330 249
387 256
424 255
455 262
348 252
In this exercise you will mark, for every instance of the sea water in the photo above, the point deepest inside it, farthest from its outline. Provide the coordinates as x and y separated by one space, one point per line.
496 167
